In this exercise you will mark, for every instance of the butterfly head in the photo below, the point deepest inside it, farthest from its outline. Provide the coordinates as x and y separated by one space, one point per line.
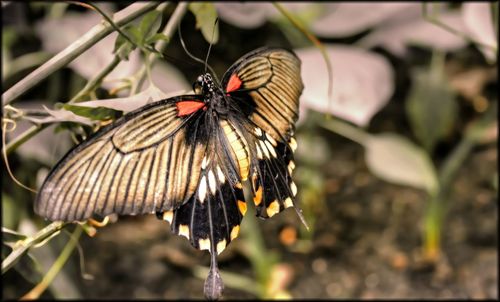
205 86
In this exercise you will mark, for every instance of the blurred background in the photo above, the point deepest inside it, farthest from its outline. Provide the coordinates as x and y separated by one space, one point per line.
396 167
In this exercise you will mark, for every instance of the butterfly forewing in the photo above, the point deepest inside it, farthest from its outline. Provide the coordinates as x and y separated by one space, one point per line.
266 84
147 161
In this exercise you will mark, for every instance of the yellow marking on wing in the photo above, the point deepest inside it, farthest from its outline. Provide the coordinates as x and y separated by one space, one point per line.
221 246
239 148
184 230
293 144
242 206
257 199
273 208
202 190
235 231
168 216
294 188
204 244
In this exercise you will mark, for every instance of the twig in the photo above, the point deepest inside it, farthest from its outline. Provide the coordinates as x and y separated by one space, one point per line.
56 267
315 41
160 45
22 246
71 52
19 140
432 19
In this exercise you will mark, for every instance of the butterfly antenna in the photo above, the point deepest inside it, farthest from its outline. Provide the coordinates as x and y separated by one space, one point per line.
190 54
209 48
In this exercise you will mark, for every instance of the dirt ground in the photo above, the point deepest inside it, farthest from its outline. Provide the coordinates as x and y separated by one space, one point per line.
365 246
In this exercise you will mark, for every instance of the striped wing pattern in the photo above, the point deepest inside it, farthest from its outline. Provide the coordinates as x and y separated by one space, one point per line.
140 164
266 84
186 161
271 78
272 184
211 219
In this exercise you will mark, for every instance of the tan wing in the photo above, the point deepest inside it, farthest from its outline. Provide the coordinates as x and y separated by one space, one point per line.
271 78
147 161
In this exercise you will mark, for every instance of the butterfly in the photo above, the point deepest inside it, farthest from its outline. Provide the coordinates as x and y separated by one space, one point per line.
186 158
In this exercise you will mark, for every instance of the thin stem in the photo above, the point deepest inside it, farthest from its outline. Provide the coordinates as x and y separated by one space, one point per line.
160 45
71 52
22 138
91 85
346 130
94 83
439 202
56 267
434 20
108 19
315 41
22 246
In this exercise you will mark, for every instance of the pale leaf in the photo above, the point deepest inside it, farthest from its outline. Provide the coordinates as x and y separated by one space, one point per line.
363 82
395 159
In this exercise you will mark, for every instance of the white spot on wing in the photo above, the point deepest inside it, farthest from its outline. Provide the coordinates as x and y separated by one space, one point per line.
271 139
211 182
294 188
184 230
271 149
264 149
204 163
259 152
204 244
220 175
202 189
293 144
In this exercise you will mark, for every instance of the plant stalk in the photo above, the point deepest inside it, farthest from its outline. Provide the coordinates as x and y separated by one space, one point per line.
71 52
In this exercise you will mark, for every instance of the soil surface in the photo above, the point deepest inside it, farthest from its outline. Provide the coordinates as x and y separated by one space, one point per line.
366 244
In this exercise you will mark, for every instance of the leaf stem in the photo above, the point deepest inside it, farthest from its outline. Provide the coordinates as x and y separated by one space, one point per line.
315 41
432 18
56 267
71 52
22 246
91 85
346 130
160 45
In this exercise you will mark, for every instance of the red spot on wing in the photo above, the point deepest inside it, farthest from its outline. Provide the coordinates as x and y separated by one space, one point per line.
188 107
233 84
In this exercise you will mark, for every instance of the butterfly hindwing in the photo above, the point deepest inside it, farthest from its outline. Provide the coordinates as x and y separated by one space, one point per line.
211 218
266 85
272 184
146 161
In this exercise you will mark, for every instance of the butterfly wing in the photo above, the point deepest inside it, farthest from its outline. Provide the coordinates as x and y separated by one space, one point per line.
266 85
147 161
211 218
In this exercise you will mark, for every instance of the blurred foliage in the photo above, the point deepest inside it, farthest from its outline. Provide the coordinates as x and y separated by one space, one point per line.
441 127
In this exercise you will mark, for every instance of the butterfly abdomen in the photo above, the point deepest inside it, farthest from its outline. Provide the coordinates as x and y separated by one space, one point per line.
239 147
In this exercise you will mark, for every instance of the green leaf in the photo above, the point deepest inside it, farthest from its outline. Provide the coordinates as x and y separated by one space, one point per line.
431 107
156 37
97 113
10 213
149 25
206 14
123 48
395 159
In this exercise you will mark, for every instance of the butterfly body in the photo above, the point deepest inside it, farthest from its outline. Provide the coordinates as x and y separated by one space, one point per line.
186 158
